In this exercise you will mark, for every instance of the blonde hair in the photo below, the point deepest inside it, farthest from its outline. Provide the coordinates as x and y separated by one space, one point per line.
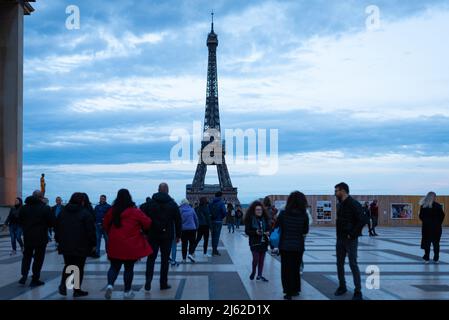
427 201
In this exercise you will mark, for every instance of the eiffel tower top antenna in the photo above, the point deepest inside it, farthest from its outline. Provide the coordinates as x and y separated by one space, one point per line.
212 25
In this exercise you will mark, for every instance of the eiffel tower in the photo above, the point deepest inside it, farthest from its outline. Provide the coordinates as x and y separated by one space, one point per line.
212 151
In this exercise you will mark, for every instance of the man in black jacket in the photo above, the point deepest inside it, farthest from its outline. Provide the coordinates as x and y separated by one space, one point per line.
349 226
166 223
35 217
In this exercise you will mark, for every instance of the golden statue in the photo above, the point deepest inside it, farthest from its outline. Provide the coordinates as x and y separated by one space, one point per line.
43 184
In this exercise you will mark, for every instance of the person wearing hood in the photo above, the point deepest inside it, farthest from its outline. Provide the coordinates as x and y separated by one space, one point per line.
35 217
217 210
15 231
75 235
164 212
189 227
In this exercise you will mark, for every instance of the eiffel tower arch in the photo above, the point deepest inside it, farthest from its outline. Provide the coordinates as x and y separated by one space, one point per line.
198 188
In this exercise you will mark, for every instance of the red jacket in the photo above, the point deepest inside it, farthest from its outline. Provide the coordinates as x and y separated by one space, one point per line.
127 242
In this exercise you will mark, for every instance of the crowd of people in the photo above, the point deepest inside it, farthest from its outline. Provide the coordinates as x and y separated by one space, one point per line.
153 229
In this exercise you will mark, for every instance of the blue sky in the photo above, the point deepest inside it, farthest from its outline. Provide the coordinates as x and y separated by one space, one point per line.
367 107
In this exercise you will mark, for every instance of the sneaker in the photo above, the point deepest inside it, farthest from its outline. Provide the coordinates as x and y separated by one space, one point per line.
193 255
166 287
251 277
36 283
13 253
216 253
108 293
62 290
436 261
426 261
340 291
206 255
357 296
191 258
184 261
80 293
148 286
262 278
129 295
23 280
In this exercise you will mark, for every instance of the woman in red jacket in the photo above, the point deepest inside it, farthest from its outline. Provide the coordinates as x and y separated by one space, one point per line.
124 224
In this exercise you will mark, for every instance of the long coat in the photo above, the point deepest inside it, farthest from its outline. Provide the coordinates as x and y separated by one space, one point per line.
432 220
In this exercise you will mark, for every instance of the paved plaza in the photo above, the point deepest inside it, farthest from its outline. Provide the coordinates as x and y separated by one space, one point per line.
396 252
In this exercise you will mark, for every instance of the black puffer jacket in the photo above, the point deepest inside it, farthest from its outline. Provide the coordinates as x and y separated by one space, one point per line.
75 231
293 226
349 219
165 216
35 218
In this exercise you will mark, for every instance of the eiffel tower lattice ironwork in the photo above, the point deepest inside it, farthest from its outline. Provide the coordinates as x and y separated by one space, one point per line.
211 144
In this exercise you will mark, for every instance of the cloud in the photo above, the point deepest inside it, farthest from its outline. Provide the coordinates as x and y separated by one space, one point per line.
313 172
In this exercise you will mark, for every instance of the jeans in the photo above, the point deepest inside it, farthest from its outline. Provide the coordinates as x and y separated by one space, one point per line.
37 254
100 233
258 262
290 271
348 247
174 249
73 261
15 232
188 240
237 223
231 226
128 275
203 231
165 245
216 230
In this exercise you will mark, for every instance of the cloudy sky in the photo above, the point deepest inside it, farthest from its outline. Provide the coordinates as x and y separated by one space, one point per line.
370 107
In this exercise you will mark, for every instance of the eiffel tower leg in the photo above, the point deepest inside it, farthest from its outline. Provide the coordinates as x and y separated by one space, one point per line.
223 176
200 175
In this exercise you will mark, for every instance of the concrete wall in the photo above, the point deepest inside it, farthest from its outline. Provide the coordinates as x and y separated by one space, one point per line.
384 203
11 101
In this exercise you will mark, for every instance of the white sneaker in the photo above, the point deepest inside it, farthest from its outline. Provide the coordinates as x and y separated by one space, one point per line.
108 293
191 258
128 295
207 255
437 262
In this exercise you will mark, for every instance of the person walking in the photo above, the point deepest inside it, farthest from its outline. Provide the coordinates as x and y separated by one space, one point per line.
75 235
164 212
238 216
349 226
188 234
293 224
174 251
217 213
35 218
366 217
55 210
374 214
100 211
203 214
124 225
258 230
15 231
230 217
432 216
